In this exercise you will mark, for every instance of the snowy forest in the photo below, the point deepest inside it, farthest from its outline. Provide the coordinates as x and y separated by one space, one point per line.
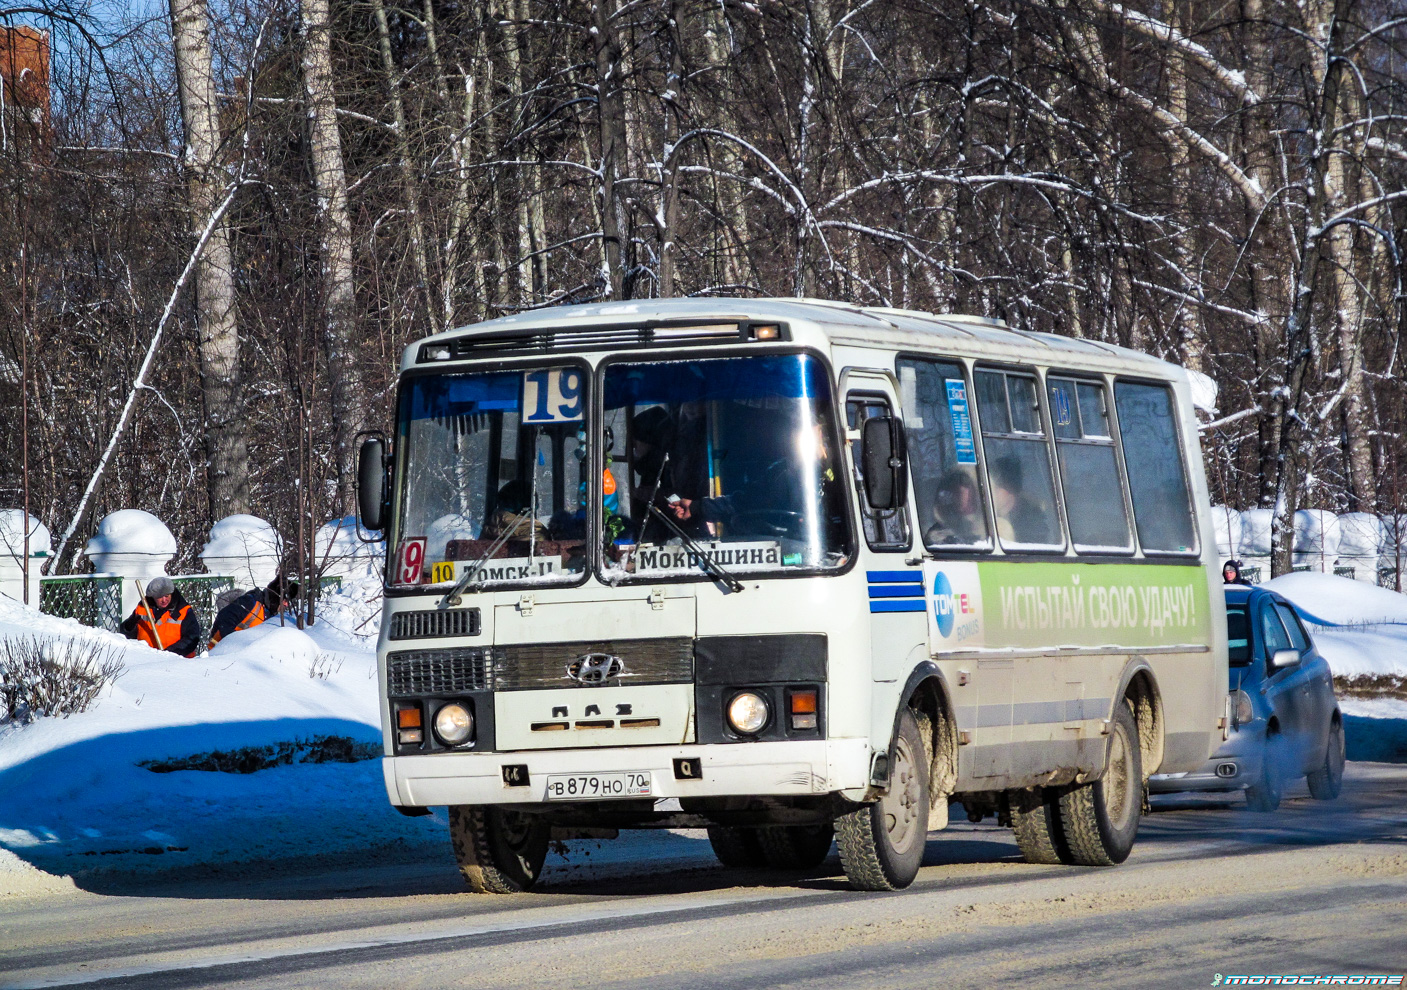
222 221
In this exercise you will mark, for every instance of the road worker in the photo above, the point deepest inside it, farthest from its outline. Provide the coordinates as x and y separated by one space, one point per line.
253 607
164 620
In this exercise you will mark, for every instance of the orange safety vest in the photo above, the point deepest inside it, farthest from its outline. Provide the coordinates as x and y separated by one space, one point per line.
168 627
256 615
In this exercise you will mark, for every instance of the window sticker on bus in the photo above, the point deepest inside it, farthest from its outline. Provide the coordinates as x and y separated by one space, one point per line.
962 422
1060 404
552 395
410 560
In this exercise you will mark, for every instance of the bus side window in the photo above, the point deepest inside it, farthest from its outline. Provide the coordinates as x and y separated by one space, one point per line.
943 455
885 529
1162 505
1018 461
1089 467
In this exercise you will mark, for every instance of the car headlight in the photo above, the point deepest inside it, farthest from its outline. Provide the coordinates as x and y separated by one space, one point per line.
748 713
1241 711
454 724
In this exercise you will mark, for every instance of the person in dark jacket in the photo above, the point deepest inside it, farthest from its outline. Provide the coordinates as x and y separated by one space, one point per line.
252 608
164 621
1231 573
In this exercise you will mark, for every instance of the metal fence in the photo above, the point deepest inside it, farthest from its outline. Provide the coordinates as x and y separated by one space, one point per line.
92 599
201 592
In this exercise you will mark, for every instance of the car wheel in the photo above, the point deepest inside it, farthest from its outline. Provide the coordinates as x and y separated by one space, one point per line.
1264 794
881 844
500 851
1100 819
1035 820
1326 782
737 847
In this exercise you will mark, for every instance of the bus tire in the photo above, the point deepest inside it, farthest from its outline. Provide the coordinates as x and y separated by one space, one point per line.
881 844
500 851
795 847
1100 819
738 847
1035 819
1326 782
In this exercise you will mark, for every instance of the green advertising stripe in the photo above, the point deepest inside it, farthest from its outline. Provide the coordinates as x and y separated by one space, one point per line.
1057 603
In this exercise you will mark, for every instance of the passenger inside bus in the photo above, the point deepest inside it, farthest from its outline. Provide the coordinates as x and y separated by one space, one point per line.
1020 519
957 512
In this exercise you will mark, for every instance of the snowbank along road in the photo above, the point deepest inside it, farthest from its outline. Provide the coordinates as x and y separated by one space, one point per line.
1211 888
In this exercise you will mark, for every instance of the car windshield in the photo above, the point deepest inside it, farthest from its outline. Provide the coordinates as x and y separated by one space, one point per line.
492 472
1238 636
734 458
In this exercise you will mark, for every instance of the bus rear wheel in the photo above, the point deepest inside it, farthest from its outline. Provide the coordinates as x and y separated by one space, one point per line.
737 847
881 844
795 847
1100 819
1035 819
500 851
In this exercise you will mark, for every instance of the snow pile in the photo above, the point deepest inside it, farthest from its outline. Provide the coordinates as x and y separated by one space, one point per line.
246 548
1228 531
354 612
1360 629
12 535
132 543
344 553
1204 391
74 795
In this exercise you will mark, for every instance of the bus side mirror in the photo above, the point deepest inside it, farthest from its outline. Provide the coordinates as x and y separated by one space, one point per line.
371 483
882 458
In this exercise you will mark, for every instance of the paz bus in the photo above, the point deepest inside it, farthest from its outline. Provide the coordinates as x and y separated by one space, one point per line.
794 572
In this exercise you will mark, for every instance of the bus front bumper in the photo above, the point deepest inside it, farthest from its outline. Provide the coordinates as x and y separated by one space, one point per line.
770 769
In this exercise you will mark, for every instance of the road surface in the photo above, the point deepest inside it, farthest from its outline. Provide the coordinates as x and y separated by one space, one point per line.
1211 888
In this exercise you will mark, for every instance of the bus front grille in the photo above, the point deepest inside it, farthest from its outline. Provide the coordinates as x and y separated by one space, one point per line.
643 661
434 623
438 672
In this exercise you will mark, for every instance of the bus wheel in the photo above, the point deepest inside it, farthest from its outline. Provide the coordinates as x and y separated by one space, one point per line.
1035 818
795 847
881 844
736 846
500 851
1326 782
1100 819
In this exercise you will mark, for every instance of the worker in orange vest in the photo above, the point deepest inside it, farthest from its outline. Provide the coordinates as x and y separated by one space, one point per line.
164 620
252 608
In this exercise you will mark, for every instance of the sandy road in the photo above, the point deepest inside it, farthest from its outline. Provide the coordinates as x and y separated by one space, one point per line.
1211 888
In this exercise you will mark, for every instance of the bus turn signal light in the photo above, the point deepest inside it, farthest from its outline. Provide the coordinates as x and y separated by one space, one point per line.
408 728
803 709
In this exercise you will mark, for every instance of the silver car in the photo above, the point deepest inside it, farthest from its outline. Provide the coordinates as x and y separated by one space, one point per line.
1284 718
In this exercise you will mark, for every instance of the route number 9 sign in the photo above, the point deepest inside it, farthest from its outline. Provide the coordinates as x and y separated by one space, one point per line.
553 395
410 560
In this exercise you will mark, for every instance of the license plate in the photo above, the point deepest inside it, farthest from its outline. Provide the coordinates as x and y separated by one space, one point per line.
585 786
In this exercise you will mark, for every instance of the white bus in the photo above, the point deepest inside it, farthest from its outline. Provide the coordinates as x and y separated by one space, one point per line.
790 571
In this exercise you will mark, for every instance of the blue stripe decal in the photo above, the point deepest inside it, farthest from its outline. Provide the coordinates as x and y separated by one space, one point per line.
894 577
896 591
906 605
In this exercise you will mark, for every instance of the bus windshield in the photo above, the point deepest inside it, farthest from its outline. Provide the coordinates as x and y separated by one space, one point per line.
734 458
492 473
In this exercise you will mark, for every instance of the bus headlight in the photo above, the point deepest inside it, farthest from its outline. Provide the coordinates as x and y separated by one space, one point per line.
1241 711
748 713
454 725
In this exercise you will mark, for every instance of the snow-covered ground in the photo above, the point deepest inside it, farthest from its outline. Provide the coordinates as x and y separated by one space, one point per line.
75 797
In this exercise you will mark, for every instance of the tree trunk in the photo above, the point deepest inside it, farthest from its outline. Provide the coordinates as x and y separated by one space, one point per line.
227 471
339 297
610 100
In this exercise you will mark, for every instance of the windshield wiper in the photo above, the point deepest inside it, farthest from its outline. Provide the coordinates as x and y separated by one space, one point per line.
453 597
715 569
